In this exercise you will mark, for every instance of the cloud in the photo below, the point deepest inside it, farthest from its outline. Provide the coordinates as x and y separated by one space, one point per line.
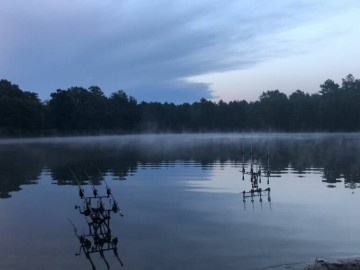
147 48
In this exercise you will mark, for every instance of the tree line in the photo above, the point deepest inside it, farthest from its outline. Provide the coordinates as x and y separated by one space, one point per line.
78 110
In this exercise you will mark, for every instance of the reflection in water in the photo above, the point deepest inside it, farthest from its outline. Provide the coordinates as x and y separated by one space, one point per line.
255 174
256 191
331 178
18 166
97 214
169 216
336 157
353 183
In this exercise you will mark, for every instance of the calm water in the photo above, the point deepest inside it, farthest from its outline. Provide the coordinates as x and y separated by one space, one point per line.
182 200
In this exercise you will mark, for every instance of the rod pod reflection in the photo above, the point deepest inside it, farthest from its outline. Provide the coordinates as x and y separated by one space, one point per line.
97 214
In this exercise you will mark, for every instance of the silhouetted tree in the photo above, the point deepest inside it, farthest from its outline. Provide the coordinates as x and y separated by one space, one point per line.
274 108
122 111
303 111
21 113
79 110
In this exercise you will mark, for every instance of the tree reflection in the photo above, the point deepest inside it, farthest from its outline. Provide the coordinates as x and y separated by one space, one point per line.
352 180
18 166
336 157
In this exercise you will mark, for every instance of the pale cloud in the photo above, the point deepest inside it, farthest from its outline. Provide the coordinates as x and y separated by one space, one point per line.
312 52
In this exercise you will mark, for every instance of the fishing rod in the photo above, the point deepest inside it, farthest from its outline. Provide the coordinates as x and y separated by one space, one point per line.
115 207
83 240
251 172
96 214
243 157
259 169
100 205
85 244
268 160
98 238
87 203
81 190
258 161
251 155
254 174
95 192
108 189
73 225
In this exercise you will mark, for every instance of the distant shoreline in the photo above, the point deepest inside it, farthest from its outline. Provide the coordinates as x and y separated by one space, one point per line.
78 111
175 136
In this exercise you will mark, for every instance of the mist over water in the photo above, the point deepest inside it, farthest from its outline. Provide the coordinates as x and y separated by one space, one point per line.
182 192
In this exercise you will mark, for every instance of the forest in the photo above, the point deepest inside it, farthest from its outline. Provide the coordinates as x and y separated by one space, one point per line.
80 111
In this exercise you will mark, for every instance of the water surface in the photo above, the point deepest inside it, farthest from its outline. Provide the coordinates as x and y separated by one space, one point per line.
182 200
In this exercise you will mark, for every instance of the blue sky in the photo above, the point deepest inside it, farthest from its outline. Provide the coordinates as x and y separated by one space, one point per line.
179 51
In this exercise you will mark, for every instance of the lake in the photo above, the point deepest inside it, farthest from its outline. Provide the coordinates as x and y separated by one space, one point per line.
182 199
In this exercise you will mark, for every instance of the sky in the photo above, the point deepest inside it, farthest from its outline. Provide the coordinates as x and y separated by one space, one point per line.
179 51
